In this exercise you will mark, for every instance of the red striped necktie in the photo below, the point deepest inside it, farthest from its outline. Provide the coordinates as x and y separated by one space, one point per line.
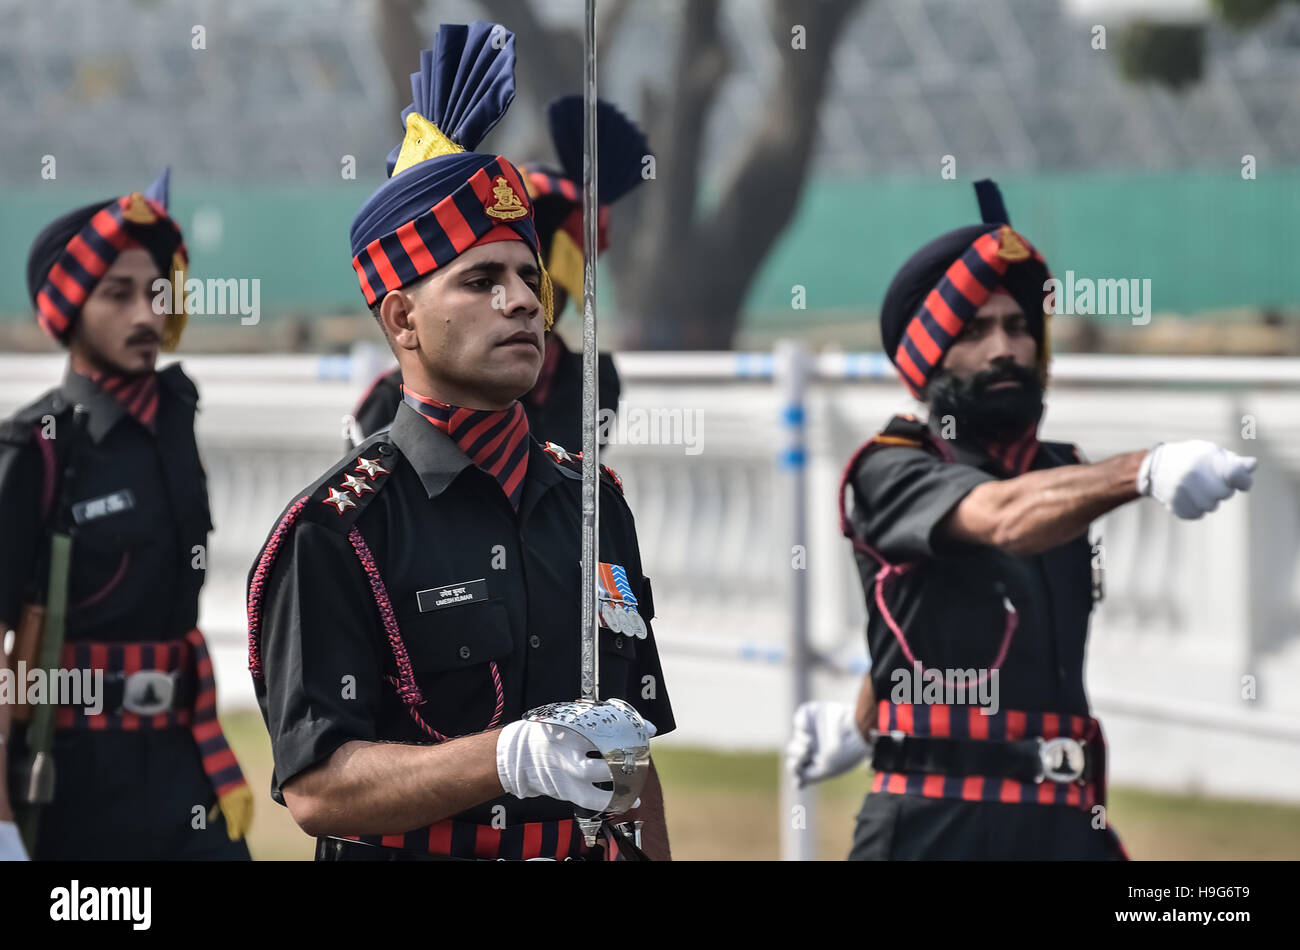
495 440
137 394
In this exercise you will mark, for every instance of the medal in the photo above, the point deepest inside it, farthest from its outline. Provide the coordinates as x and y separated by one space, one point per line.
639 629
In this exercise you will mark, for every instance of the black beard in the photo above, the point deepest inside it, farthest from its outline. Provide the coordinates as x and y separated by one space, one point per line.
983 416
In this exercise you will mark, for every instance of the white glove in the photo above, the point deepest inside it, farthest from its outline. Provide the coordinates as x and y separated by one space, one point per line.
826 742
1191 478
539 758
11 843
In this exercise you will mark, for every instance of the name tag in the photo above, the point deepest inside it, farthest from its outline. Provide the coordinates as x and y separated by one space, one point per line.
452 595
93 508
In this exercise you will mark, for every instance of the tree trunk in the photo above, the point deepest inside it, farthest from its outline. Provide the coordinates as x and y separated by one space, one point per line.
686 277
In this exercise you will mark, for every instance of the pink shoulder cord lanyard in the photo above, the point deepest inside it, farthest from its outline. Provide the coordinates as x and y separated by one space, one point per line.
889 571
404 683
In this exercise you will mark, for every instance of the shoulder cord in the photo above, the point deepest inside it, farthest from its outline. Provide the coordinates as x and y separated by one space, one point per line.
889 571
404 682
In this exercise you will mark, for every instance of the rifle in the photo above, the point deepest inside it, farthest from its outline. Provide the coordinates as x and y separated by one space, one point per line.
36 772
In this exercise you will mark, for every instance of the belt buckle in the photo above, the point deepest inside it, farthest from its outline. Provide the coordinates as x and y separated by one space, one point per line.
148 692
1060 759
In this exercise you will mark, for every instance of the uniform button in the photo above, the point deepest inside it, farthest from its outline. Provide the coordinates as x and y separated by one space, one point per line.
385 449
464 653
534 641
618 643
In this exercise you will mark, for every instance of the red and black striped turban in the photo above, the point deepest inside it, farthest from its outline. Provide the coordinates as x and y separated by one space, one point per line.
442 198
72 254
941 287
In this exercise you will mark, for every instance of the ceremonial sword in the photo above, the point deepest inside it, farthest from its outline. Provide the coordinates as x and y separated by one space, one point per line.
613 726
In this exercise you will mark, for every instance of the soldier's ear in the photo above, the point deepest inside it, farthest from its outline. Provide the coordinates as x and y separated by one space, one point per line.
397 317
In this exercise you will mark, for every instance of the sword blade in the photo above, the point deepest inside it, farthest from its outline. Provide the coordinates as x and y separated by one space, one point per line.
590 394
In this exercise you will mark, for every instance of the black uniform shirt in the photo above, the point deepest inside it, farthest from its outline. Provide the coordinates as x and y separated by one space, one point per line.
950 607
436 521
140 505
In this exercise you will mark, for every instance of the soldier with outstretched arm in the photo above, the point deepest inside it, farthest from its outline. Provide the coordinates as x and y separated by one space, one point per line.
971 537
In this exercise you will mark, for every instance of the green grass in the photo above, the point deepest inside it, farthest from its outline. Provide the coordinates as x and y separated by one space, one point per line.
723 805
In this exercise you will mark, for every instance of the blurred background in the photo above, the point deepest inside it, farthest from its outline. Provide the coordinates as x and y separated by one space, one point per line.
803 151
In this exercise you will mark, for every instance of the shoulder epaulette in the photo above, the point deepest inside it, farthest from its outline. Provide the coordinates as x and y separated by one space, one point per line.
337 500
572 462
19 428
904 430
339 497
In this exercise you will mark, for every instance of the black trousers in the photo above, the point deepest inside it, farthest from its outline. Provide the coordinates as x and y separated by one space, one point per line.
122 795
912 828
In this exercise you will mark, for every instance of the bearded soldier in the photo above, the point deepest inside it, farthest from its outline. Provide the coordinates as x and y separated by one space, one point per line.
971 536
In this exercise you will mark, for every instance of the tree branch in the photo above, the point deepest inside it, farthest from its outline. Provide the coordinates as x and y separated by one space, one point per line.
397 34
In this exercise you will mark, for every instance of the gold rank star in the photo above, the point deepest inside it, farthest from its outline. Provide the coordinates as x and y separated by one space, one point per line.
340 500
356 484
371 467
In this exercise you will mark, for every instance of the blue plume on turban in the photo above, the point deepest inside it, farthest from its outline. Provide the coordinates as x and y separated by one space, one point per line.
441 197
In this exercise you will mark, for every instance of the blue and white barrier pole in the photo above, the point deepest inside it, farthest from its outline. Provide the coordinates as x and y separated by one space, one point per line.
793 368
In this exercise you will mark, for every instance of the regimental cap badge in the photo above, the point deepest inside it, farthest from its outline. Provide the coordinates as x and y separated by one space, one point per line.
507 205
1011 246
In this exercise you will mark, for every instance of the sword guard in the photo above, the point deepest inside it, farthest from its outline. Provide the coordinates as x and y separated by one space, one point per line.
619 733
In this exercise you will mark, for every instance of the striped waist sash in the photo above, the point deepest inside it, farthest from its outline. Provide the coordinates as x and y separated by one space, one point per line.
125 659
1008 725
186 657
559 839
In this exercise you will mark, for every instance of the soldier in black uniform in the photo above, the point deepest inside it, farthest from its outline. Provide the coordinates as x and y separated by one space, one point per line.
414 602
971 536
554 403
144 772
